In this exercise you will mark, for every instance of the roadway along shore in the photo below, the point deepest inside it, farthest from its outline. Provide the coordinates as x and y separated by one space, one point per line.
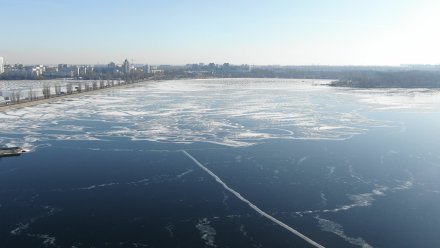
24 104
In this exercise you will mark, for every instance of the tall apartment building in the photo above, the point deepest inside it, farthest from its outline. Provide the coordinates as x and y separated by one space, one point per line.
147 69
126 66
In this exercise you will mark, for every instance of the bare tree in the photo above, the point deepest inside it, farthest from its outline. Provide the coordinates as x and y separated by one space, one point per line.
95 85
57 89
87 87
13 97
69 88
46 91
32 95
16 95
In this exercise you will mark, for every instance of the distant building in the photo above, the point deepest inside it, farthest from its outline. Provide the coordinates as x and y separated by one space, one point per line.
25 71
51 69
155 70
83 70
61 71
2 68
88 69
35 70
80 70
112 67
147 69
63 67
75 70
126 67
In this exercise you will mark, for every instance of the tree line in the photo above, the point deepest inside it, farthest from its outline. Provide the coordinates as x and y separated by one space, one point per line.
396 79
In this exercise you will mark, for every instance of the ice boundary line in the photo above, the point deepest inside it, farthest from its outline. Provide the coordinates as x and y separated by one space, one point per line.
257 209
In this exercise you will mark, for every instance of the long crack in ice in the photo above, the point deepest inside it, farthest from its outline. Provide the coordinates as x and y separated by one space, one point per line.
251 205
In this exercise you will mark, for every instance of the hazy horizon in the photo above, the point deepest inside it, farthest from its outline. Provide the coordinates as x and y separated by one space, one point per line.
321 33
119 63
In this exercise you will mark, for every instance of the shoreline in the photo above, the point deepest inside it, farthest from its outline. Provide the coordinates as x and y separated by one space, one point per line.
5 108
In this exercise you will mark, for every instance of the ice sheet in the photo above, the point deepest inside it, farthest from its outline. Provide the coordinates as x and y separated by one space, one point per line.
231 112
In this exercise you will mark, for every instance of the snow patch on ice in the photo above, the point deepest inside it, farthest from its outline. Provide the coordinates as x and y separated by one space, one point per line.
333 227
48 241
207 232
24 225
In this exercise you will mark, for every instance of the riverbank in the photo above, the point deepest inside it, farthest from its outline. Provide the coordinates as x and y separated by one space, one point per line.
24 104
399 79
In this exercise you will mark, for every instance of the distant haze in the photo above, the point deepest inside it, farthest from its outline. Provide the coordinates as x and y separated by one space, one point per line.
284 32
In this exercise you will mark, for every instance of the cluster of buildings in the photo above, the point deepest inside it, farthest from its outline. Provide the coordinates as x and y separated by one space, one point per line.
126 67
212 67
61 70
113 70
73 71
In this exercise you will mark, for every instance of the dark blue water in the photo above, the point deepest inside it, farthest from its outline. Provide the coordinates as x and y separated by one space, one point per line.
379 188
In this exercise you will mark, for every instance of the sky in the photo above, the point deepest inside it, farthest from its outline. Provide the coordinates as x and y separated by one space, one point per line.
275 32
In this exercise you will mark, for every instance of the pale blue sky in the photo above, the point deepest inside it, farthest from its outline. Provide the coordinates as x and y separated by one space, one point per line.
285 32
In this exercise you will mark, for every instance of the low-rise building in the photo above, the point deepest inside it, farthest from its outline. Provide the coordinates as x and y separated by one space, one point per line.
155 70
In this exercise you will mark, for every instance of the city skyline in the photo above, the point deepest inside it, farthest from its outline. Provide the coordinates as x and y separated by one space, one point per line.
243 32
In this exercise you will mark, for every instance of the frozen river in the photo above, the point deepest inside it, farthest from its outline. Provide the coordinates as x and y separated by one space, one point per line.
224 162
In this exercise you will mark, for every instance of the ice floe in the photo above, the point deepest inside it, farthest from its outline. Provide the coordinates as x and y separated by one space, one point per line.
23 226
184 173
48 241
207 232
333 227
364 199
